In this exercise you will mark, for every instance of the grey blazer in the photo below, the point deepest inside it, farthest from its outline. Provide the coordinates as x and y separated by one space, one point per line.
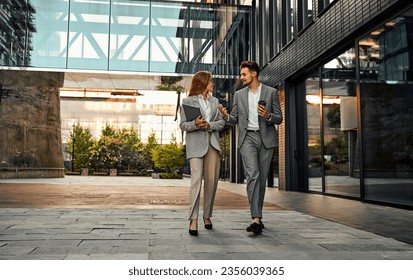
197 139
239 115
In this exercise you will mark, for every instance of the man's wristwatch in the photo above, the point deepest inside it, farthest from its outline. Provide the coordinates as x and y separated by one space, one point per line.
269 118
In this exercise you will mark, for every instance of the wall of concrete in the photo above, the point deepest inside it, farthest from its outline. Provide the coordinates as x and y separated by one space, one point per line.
30 126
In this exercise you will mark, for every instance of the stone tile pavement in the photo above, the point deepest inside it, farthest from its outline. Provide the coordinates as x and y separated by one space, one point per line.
150 232
161 234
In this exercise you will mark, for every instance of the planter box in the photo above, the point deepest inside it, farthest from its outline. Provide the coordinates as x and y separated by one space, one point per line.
84 172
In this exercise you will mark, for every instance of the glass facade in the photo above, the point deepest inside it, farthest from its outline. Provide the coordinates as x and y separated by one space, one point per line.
125 35
106 51
340 127
129 33
386 83
149 112
359 118
305 13
314 154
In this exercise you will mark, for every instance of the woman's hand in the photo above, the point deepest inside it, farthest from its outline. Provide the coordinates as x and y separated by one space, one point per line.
201 123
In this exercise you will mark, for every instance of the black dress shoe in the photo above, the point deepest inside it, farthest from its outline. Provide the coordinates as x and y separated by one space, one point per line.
193 232
262 225
255 228
208 226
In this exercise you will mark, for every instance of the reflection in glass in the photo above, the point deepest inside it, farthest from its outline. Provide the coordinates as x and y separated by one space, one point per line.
165 44
129 33
16 31
314 134
150 112
274 32
287 22
89 34
340 126
386 102
322 4
305 13
50 38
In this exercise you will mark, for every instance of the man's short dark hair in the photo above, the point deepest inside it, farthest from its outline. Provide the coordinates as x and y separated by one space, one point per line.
251 65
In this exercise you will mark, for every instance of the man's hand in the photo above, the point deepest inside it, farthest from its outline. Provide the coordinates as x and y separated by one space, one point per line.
223 111
262 111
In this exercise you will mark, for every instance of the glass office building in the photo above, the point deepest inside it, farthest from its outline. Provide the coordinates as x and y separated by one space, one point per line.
89 61
344 69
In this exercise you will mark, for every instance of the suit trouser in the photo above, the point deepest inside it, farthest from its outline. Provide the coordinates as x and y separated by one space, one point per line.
256 160
208 167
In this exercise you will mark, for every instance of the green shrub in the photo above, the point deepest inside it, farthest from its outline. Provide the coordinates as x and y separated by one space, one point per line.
170 176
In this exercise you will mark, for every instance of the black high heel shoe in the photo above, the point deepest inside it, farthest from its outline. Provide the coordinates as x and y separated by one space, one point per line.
193 232
208 225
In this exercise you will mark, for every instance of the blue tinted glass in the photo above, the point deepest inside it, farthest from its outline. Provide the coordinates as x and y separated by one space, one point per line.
168 43
49 40
129 33
89 34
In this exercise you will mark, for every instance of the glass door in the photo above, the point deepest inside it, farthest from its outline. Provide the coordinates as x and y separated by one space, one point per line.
340 125
314 155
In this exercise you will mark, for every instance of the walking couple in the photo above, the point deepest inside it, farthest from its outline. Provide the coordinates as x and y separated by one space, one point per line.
256 110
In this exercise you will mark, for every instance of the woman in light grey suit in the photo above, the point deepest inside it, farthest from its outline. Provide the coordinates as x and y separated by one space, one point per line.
202 147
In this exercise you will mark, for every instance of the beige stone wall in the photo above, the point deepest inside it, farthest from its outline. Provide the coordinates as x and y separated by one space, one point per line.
30 129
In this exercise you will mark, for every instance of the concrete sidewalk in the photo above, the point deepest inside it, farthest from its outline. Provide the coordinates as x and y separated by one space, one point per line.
160 231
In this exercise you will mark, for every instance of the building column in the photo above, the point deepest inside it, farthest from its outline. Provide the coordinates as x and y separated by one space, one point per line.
30 126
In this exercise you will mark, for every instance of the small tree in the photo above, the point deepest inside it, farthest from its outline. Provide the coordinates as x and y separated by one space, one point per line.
106 152
131 157
79 146
168 157
147 149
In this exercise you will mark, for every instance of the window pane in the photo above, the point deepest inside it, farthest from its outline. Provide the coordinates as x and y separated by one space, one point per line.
340 126
274 29
387 120
166 44
308 12
291 20
305 13
287 21
50 38
322 4
129 33
88 34
314 134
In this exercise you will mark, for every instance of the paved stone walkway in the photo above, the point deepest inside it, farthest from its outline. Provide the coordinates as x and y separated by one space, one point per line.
83 228
162 234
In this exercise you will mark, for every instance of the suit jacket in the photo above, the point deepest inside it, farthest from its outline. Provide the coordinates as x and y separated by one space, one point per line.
198 139
239 115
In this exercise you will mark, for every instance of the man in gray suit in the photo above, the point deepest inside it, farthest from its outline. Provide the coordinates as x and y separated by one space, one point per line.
256 109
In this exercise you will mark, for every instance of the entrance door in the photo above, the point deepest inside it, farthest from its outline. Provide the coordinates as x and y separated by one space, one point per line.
314 153
331 128
339 123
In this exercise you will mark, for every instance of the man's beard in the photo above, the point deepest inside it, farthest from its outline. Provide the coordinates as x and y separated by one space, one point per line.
246 83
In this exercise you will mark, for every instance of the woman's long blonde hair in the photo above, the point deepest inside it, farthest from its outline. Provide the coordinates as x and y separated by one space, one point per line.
199 82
